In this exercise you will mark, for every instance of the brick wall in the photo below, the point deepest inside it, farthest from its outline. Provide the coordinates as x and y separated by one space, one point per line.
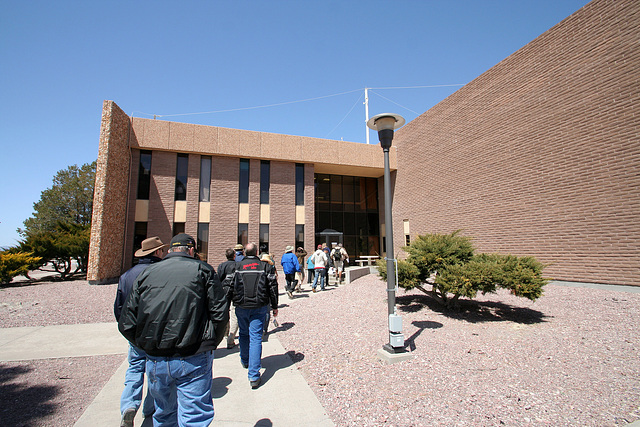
282 201
162 195
539 155
223 226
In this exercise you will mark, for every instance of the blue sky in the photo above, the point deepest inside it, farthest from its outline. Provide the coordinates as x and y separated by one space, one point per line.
60 60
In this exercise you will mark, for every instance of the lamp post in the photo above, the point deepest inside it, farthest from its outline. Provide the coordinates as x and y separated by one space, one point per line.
385 124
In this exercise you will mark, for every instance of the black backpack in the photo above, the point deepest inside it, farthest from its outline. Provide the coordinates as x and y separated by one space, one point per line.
337 254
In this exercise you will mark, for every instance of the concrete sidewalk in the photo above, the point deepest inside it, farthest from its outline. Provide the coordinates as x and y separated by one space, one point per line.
283 399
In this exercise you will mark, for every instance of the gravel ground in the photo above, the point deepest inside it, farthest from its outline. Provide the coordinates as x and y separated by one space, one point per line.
571 358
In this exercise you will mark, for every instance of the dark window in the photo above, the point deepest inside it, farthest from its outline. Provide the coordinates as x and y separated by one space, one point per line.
407 239
265 181
264 238
203 240
205 178
299 236
144 175
336 193
243 192
243 234
139 234
181 176
348 205
299 184
178 228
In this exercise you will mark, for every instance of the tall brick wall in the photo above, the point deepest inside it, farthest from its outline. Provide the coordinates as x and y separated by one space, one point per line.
162 195
110 196
282 201
223 225
539 155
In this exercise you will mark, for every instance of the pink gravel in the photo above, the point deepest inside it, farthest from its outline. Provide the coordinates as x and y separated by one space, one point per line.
571 358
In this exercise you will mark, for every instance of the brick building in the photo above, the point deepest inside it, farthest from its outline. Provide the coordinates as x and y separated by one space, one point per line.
537 156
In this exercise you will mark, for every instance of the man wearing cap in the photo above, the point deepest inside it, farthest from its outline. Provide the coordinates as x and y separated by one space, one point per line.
151 251
177 312
255 289
290 266
239 252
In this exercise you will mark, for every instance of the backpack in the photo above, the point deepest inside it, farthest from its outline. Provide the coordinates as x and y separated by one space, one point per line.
337 255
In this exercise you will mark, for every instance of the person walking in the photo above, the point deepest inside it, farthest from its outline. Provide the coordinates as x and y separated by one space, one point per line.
177 312
310 267
319 261
255 290
290 266
226 269
151 252
239 252
300 254
340 259
328 267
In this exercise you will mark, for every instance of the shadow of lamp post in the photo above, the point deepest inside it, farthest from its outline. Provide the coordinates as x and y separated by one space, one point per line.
385 124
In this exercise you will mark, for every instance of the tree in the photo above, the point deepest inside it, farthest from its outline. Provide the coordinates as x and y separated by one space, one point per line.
67 242
69 200
59 230
447 262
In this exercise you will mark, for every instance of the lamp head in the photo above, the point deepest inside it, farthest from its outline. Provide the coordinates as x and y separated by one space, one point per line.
385 124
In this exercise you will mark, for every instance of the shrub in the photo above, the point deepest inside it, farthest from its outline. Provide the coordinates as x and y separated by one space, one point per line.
15 264
447 262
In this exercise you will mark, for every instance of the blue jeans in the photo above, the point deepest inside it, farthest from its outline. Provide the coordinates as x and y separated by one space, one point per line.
181 388
320 272
251 323
133 381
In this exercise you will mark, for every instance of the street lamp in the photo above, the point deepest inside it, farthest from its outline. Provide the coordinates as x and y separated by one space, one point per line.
385 124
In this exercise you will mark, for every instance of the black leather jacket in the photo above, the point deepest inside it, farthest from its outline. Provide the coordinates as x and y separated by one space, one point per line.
177 308
254 284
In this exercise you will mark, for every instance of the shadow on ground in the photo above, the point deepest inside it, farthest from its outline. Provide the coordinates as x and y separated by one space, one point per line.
471 310
21 404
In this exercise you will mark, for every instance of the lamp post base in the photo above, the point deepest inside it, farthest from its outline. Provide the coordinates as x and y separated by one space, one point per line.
394 350
389 356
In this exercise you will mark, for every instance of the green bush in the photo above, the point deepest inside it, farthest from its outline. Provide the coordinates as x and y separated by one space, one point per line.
407 273
447 262
15 264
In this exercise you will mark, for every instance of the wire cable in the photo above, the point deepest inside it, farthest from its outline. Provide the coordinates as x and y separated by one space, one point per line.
343 119
393 102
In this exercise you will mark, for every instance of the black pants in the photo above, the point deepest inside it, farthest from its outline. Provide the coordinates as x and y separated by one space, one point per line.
291 281
310 274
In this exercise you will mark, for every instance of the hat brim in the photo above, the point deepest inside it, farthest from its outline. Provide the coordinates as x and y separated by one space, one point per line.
141 253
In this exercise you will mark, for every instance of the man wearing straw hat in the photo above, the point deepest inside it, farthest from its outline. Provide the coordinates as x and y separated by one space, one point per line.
151 251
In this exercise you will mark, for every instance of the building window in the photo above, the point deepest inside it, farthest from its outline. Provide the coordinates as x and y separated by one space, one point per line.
299 184
243 194
346 210
407 239
203 240
265 181
299 236
144 175
181 176
178 228
139 234
264 238
205 178
243 234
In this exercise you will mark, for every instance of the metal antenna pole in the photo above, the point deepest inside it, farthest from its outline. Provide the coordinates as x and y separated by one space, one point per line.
366 111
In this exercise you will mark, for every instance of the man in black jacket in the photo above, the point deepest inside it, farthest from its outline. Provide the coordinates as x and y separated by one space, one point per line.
151 252
255 288
177 312
225 269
